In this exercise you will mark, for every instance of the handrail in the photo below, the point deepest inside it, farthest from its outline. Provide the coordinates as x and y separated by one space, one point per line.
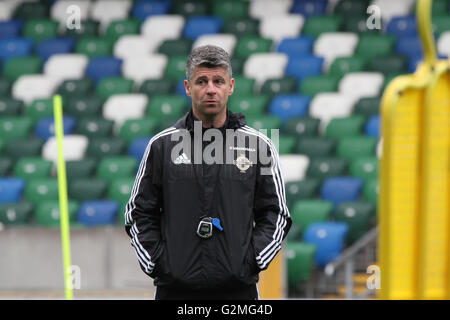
423 14
350 252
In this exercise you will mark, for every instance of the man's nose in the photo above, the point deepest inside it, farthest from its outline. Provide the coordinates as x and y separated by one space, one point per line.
210 89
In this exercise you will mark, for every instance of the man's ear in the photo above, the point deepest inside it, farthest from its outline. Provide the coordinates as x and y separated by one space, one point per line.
187 87
231 90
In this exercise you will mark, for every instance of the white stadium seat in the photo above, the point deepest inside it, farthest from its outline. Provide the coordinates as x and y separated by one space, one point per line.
74 148
263 8
121 107
331 45
106 11
326 106
361 84
30 87
163 27
281 26
7 8
66 66
263 66
293 166
443 44
140 68
225 41
134 45
389 8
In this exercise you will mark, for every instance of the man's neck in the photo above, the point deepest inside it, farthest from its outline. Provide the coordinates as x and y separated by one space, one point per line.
215 121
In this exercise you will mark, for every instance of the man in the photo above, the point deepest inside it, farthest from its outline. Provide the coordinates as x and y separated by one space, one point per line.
204 229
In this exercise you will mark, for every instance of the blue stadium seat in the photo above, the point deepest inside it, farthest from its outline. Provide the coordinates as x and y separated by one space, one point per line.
45 128
54 46
287 106
179 89
409 45
15 47
373 126
341 189
143 9
402 26
99 68
329 239
10 29
94 213
11 189
294 47
137 148
300 67
197 26
310 7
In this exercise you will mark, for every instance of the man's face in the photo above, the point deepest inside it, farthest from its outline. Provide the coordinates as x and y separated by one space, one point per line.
209 89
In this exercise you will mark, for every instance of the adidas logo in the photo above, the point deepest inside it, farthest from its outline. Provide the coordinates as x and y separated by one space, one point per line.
182 158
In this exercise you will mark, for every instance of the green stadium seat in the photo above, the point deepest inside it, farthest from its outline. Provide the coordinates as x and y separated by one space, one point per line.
244 85
316 146
284 85
248 45
230 9
190 8
100 147
355 147
304 126
176 67
241 27
367 106
83 168
312 85
357 215
40 29
389 64
48 213
286 144
370 191
302 189
166 106
19 66
138 128
95 127
76 87
86 189
372 45
342 65
300 262
14 127
350 8
5 87
264 122
31 168
113 85
110 168
40 108
440 24
323 168
15 213
5 166
94 47
237 65
23 147
152 87
350 126
41 190
249 105
88 28
83 106
365 168
120 189
10 107
316 25
176 47
118 28
307 211
31 10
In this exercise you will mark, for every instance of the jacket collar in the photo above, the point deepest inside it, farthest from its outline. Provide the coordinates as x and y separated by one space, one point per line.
233 121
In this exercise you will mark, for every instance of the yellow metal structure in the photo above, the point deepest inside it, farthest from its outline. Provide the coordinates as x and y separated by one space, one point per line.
414 249
272 281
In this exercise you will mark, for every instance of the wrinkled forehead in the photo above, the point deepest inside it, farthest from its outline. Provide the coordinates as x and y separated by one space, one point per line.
210 73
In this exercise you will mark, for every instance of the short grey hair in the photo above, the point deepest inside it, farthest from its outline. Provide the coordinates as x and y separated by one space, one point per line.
207 56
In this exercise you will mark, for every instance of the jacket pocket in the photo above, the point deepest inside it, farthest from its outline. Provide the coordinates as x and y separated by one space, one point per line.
250 267
161 269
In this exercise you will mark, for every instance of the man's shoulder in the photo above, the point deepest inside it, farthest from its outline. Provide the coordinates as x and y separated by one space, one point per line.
260 134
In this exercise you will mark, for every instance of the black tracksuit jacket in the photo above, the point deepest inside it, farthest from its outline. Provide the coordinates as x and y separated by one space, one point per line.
169 198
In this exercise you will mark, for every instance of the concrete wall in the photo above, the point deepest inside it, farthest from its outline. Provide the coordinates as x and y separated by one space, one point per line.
31 259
